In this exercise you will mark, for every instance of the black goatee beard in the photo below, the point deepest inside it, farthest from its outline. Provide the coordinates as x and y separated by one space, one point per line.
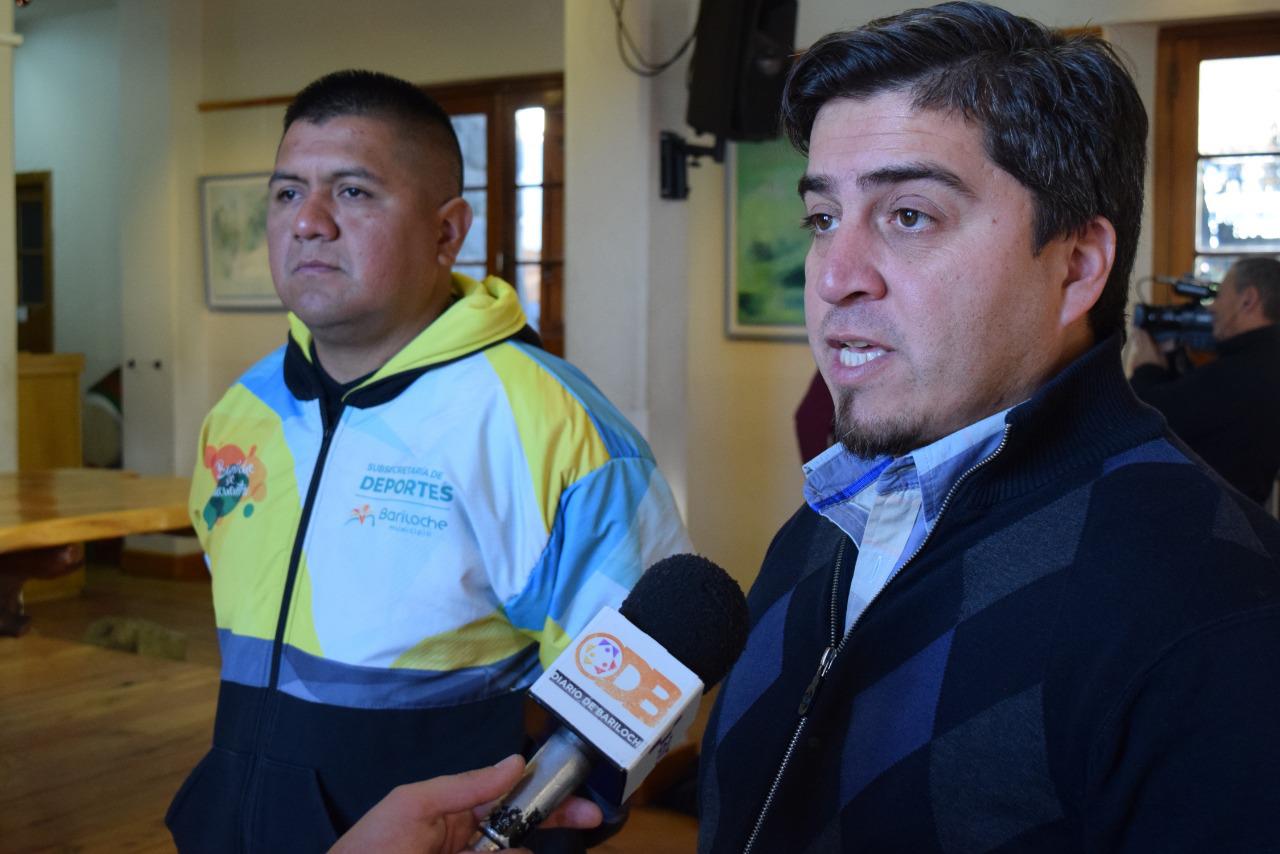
891 438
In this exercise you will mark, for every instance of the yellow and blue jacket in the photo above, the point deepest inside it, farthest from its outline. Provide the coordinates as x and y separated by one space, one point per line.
389 578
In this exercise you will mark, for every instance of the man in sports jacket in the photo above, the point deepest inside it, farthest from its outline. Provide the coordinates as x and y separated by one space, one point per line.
409 508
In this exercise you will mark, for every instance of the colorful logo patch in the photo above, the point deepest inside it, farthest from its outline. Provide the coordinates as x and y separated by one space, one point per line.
361 514
238 478
599 656
628 678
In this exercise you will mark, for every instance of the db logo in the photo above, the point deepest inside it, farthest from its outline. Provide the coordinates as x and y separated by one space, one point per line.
626 677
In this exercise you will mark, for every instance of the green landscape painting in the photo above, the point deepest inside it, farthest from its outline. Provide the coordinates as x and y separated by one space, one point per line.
767 243
237 274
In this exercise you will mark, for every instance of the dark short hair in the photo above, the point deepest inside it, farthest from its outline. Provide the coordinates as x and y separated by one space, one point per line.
1058 112
1263 275
372 93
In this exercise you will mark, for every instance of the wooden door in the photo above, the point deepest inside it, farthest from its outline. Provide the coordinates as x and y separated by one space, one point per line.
35 261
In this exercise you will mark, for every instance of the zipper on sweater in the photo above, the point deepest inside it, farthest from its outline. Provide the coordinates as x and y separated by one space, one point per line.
824 664
834 649
267 709
942 508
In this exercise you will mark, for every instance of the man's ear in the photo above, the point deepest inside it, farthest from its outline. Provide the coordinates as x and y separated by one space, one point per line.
1092 251
455 221
1247 299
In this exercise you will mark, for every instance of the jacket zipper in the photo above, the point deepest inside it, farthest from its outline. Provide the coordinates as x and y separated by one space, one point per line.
295 557
824 664
269 701
834 649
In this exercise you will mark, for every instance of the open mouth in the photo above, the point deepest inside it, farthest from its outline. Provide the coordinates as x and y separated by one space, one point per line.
855 354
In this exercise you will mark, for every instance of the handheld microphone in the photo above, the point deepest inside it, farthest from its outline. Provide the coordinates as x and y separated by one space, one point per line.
626 689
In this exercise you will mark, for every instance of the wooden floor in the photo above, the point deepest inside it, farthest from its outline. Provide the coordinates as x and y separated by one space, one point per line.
94 742
183 606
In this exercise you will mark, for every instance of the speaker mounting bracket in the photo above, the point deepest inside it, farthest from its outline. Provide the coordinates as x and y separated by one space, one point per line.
674 156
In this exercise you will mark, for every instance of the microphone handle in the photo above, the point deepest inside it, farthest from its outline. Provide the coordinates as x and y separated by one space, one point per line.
559 767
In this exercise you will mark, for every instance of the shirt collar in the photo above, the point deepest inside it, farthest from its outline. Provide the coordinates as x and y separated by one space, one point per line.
839 485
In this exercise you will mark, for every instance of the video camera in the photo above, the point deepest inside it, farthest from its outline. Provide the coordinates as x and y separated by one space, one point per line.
1189 324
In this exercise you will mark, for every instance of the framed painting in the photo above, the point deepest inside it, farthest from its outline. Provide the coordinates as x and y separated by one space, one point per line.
764 294
233 217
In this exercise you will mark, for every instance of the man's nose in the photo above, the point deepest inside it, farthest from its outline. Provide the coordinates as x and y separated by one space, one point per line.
314 219
846 267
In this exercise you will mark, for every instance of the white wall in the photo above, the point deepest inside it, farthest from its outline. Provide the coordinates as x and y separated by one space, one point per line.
667 360
254 48
8 255
645 288
608 184
159 82
67 121
1137 45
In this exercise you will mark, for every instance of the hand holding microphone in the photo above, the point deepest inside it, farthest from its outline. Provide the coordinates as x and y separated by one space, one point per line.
626 689
439 816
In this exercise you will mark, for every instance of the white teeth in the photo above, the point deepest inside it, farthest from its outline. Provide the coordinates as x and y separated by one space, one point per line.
853 358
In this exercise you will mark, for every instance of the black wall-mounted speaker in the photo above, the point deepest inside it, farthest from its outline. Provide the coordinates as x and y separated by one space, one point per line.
740 60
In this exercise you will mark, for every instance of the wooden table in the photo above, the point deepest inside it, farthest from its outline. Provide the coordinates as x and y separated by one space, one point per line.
58 507
53 508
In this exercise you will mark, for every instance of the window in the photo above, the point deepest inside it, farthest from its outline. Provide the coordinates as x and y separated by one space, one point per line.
1238 171
1217 143
512 137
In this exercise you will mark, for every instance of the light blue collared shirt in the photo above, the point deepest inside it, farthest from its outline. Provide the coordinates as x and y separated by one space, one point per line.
887 506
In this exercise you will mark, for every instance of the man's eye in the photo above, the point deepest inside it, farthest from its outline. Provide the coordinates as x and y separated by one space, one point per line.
352 192
819 222
910 218
286 194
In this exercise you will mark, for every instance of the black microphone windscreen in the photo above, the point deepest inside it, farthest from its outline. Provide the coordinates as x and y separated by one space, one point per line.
695 610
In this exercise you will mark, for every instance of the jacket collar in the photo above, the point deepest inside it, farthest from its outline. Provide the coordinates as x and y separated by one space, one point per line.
1083 416
482 314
